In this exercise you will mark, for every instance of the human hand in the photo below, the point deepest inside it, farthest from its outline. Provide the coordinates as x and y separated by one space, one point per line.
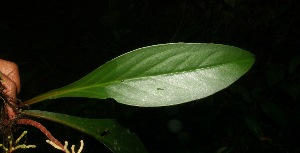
10 79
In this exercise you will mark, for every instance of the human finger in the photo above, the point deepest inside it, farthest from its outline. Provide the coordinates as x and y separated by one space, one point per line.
11 70
10 88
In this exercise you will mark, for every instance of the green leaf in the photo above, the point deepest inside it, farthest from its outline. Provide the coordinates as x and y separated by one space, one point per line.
275 113
275 74
161 75
254 125
294 63
108 131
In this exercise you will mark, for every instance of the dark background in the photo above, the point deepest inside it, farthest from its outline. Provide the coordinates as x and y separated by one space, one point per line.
57 42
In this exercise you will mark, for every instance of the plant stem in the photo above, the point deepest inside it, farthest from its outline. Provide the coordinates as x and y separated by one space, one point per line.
42 129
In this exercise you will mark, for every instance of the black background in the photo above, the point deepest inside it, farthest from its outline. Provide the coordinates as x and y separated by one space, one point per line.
57 42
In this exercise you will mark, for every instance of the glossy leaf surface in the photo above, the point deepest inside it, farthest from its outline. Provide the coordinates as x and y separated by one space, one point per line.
117 138
161 75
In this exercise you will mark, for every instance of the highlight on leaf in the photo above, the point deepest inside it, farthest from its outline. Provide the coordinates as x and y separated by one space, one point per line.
161 75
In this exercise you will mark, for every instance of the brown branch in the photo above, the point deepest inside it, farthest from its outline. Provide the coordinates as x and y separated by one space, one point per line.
42 129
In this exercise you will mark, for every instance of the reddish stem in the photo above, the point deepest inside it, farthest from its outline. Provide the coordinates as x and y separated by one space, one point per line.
10 112
41 128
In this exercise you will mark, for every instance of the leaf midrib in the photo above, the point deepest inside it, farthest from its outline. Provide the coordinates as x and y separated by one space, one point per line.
118 80
56 92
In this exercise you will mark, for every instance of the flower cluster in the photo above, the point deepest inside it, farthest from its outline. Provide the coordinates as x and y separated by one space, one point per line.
65 149
17 146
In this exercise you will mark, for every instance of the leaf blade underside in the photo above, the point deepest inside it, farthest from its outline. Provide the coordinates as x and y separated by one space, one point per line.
161 75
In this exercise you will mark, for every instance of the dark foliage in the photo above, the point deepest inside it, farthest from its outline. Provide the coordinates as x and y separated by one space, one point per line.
57 42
